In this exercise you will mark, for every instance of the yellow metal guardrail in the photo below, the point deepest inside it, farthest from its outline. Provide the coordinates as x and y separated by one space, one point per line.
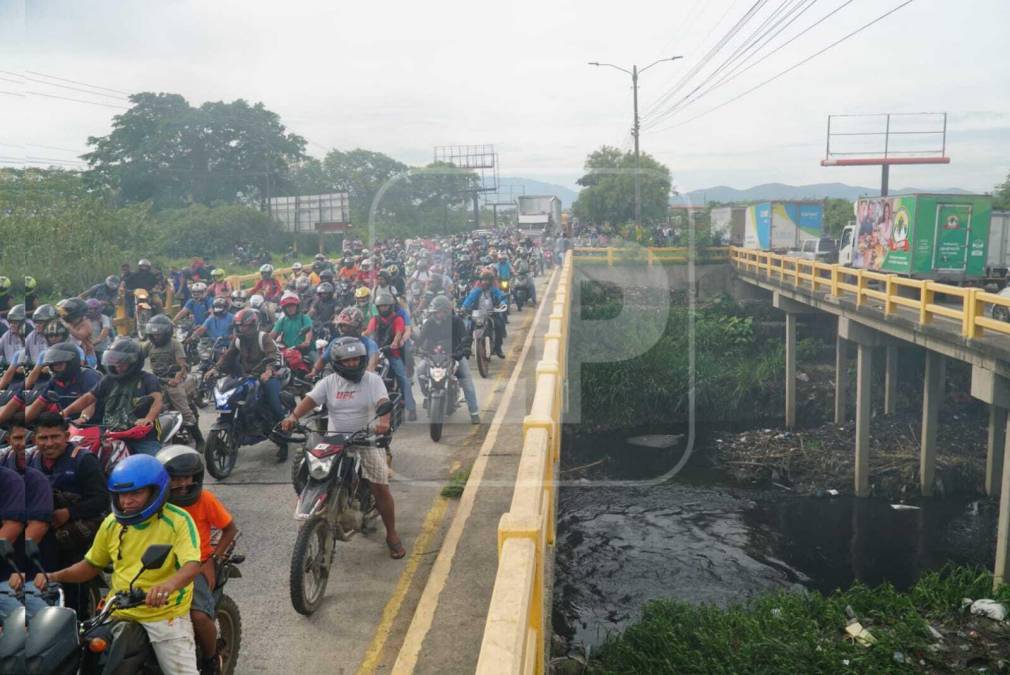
123 323
514 635
651 255
969 309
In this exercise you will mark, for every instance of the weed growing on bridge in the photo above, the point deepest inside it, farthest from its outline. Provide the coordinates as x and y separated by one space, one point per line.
804 633
454 488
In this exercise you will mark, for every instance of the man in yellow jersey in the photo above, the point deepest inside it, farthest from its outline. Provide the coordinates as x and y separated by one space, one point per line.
141 517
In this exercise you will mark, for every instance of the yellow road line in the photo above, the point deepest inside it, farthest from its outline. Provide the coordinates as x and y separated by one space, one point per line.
424 614
431 524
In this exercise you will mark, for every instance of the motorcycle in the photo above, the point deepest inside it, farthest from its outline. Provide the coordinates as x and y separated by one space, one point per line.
335 503
209 351
483 329
440 389
243 419
345 294
60 644
385 371
521 291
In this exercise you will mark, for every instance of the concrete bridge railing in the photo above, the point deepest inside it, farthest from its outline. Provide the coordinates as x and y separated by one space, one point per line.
651 255
515 632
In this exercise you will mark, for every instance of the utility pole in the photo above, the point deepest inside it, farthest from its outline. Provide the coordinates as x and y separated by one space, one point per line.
636 125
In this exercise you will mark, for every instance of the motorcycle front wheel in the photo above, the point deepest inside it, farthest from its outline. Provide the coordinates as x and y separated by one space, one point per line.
310 565
483 356
221 452
229 633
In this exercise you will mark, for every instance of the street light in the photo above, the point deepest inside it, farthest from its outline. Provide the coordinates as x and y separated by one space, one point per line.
635 72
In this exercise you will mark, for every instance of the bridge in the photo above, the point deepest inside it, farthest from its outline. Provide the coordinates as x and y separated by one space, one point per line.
474 594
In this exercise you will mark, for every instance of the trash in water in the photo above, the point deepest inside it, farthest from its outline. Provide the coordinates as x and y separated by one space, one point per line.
904 507
655 440
989 608
832 492
937 635
856 630
899 657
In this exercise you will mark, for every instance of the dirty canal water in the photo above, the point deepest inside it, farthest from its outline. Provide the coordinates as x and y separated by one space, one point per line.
702 539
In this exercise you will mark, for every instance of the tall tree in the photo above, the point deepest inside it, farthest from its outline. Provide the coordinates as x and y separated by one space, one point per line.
165 151
837 214
1001 197
608 188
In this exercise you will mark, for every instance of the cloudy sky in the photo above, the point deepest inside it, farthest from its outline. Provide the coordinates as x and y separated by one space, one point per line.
401 77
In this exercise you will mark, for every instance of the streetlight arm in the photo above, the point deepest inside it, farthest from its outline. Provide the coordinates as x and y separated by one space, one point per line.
672 58
610 65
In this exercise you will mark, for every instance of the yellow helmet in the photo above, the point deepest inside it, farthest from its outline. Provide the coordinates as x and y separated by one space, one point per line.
363 292
218 274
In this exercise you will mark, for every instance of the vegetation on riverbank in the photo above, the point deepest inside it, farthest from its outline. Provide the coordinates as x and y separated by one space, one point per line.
805 633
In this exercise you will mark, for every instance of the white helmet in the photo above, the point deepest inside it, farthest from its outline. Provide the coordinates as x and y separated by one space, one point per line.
256 301
198 287
266 268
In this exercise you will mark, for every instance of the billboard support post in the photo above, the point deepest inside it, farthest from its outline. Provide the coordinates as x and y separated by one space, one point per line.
928 146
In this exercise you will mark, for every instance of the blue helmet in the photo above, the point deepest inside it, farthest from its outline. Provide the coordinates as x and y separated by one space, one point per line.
133 473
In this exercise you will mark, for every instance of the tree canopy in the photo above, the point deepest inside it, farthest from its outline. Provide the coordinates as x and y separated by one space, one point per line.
165 151
1001 197
608 188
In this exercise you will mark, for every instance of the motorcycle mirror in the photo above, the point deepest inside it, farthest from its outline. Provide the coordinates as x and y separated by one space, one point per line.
153 558
384 408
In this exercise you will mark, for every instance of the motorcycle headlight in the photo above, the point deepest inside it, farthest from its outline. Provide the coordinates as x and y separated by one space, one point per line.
221 398
437 374
319 468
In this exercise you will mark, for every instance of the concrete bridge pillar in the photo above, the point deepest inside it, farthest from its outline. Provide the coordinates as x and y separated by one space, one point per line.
993 389
792 310
891 380
932 396
841 378
866 339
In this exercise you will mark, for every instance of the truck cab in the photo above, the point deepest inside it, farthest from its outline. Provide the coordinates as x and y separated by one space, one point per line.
846 245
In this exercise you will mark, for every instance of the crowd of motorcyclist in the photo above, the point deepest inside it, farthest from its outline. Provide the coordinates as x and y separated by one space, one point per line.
91 468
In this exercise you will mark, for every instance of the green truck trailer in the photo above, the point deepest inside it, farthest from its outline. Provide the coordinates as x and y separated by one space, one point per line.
923 236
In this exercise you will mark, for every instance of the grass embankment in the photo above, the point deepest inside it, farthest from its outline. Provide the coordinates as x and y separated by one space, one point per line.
800 633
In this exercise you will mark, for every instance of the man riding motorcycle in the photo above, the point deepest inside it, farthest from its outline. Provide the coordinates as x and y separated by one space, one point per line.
168 361
106 293
125 387
351 395
198 306
349 323
266 285
390 330
254 354
141 517
447 330
489 295
219 287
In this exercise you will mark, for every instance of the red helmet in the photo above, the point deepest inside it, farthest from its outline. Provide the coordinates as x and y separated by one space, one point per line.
290 299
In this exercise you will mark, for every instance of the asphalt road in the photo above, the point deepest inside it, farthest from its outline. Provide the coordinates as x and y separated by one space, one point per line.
275 638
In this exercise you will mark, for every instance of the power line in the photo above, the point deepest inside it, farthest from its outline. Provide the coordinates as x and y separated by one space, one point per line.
86 91
78 100
792 67
7 79
64 79
758 41
53 147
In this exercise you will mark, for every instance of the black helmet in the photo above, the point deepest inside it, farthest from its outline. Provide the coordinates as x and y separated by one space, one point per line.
72 309
326 275
219 306
348 348
440 303
325 288
64 352
247 322
124 359
182 460
44 313
159 329
55 331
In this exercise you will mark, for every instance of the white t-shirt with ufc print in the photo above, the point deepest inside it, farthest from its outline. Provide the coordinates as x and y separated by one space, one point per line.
351 405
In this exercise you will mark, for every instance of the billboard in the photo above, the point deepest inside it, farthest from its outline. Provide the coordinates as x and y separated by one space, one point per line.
311 213
883 238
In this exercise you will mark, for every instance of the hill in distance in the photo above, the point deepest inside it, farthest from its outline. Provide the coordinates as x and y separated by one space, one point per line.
770 191
535 187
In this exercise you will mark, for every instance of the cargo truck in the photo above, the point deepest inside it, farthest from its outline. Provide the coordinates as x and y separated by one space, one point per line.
538 216
998 259
922 236
782 226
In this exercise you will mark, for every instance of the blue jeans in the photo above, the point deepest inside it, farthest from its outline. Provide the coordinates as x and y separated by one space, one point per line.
9 603
272 394
400 371
466 382
147 445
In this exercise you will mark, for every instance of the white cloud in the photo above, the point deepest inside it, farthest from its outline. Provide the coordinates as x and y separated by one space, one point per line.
401 77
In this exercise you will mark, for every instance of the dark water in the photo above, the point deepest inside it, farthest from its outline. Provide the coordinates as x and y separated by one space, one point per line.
700 539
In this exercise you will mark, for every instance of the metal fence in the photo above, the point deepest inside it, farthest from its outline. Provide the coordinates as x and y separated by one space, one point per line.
971 308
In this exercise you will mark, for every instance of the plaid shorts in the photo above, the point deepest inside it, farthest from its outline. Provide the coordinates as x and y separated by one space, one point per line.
373 465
